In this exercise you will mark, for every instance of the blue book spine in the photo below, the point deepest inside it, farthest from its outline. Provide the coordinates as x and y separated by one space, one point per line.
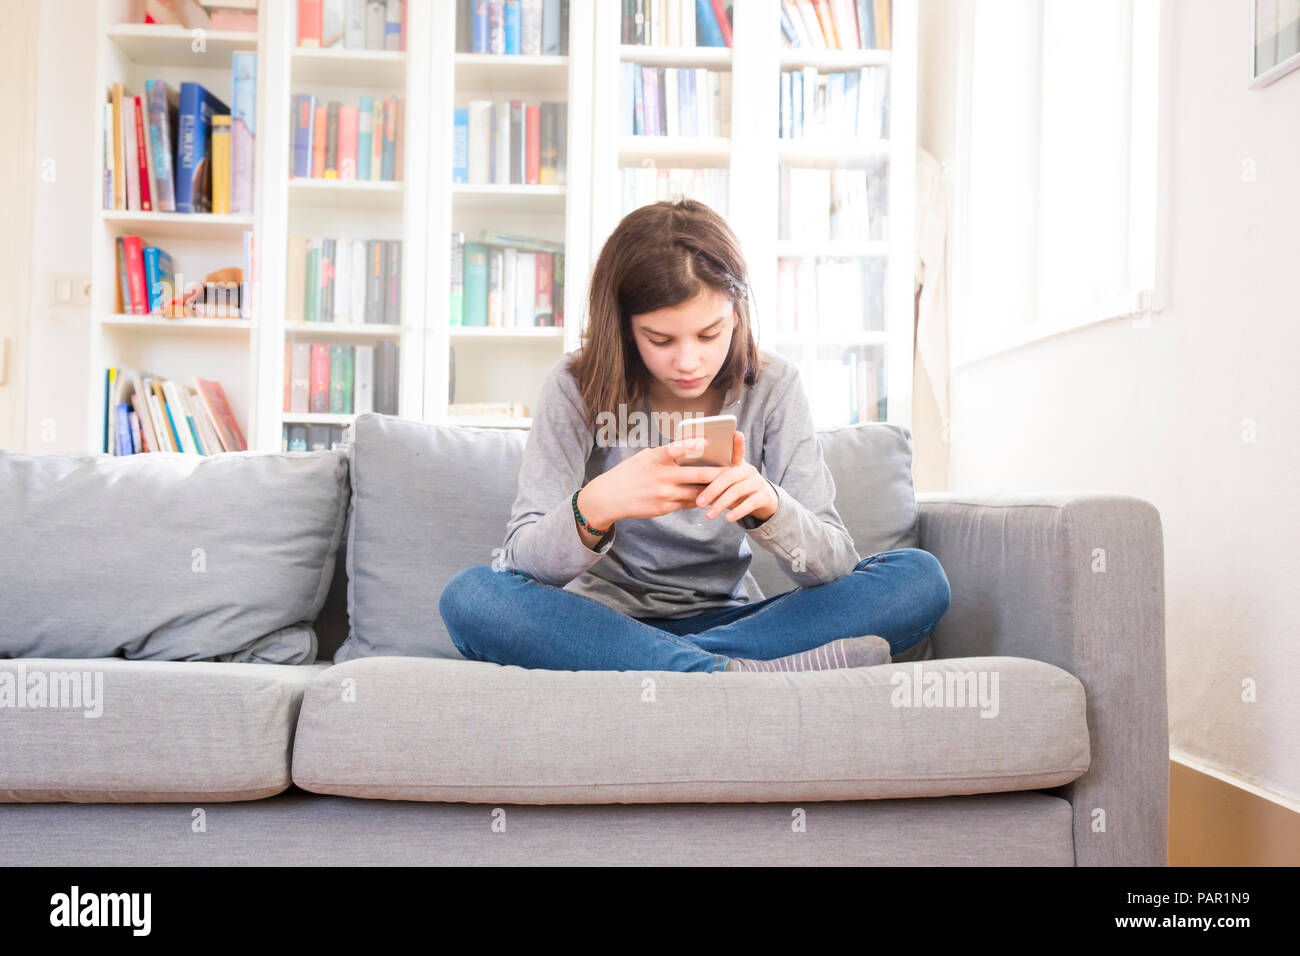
686 87
365 134
512 27
152 277
197 107
706 25
787 27
836 105
478 26
551 28
389 159
304 127
124 443
460 148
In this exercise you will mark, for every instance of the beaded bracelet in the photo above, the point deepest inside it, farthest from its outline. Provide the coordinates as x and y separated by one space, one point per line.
583 521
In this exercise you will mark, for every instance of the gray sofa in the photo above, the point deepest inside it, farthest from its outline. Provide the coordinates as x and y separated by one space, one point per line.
1029 728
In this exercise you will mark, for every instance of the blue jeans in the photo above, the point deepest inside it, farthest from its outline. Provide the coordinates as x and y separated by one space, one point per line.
509 617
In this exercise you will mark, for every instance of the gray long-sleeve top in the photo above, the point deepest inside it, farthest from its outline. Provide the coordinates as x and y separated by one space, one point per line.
682 563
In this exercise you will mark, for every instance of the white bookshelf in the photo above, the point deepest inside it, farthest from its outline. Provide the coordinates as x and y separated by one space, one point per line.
504 364
492 364
752 156
336 208
225 350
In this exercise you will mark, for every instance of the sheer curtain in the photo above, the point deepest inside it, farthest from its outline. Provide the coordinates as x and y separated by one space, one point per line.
1055 217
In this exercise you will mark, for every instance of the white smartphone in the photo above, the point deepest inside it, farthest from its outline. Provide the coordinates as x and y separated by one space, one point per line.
718 432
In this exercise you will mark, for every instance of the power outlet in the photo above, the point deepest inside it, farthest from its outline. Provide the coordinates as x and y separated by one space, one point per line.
70 290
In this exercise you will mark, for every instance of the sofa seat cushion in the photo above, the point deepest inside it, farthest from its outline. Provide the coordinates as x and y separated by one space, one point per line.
109 730
431 729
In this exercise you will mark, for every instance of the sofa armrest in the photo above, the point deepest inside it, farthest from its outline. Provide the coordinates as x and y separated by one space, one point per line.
1075 580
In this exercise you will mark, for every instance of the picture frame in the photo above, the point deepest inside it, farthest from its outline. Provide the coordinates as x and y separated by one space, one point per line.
1274 40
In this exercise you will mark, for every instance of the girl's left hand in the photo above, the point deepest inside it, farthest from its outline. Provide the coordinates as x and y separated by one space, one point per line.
740 488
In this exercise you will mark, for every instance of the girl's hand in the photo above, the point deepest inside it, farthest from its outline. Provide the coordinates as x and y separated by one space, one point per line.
740 488
648 484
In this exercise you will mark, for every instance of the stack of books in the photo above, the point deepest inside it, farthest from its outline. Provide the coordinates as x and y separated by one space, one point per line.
352 24
146 413
817 205
673 101
506 281
836 24
320 378
677 22
337 141
510 143
835 106
514 27
181 152
148 284
344 280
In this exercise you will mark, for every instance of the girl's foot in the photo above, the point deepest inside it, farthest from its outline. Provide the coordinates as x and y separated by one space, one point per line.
865 651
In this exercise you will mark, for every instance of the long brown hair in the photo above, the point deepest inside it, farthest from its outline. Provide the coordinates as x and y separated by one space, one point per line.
659 256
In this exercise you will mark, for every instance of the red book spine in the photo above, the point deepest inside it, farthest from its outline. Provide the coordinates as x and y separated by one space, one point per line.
348 132
320 378
134 249
533 119
543 299
720 11
309 23
142 151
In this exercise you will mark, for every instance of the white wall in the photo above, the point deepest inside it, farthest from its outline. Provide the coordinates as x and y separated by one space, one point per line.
58 355
1160 411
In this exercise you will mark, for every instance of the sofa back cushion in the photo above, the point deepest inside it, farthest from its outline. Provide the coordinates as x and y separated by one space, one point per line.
168 556
871 465
430 500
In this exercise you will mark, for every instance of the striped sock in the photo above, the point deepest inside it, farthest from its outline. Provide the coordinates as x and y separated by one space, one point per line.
865 651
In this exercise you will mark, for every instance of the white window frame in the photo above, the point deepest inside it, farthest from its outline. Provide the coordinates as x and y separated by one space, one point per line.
973 344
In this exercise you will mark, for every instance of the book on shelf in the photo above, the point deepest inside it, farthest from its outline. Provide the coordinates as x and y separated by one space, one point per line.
341 141
149 284
510 143
836 24
835 106
487 410
820 205
340 379
145 413
647 184
673 101
831 295
236 15
504 285
312 437
352 24
341 279
677 23
158 148
513 27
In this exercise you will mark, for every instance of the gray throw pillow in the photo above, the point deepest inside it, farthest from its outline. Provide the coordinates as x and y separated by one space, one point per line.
168 556
427 501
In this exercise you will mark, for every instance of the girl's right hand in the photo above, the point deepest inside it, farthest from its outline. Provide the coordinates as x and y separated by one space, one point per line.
649 483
